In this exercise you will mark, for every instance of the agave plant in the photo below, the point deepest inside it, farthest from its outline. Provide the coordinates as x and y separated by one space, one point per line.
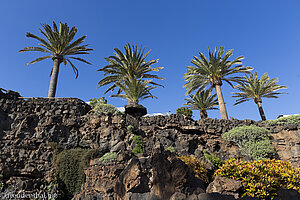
127 66
58 44
213 72
135 90
255 88
202 101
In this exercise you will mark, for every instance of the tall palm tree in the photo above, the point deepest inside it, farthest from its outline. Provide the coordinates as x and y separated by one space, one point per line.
130 65
212 72
202 101
135 90
59 45
255 88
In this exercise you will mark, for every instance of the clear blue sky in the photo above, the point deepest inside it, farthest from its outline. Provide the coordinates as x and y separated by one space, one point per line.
266 32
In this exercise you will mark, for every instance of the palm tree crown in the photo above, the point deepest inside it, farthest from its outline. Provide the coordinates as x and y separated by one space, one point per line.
212 72
255 88
59 45
135 90
130 65
202 101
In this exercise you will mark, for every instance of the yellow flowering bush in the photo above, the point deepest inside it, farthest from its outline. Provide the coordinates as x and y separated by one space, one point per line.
197 166
261 178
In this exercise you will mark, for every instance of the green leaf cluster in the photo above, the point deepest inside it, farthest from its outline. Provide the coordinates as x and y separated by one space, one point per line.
58 44
293 119
131 73
139 144
105 109
252 140
108 157
261 178
213 159
255 88
93 101
197 166
184 111
69 165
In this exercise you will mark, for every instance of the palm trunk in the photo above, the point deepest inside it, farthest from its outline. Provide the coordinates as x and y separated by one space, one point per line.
54 77
203 114
222 107
261 111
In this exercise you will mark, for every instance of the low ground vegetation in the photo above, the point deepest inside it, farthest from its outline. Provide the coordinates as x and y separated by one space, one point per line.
108 157
69 165
198 167
293 119
184 111
261 178
253 141
139 144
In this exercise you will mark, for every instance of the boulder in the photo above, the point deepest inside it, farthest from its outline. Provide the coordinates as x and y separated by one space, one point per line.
136 110
223 185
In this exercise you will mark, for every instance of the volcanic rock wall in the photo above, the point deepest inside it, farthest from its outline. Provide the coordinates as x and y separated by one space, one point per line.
31 130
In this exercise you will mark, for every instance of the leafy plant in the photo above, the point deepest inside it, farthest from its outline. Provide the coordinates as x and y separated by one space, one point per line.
202 101
171 149
252 140
184 111
108 157
261 178
105 109
293 119
69 165
197 166
139 144
59 46
135 90
255 88
213 159
128 66
130 128
93 101
212 71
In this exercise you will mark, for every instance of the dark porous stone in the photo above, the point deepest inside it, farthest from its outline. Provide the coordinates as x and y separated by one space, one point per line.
136 110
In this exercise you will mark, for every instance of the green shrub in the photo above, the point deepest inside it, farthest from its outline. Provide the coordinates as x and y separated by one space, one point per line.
213 159
130 128
171 149
197 166
139 144
93 101
108 157
293 119
105 109
260 149
69 165
185 111
261 178
253 140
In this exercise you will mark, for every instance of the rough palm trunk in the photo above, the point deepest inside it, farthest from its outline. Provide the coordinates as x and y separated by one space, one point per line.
54 77
261 111
203 114
222 107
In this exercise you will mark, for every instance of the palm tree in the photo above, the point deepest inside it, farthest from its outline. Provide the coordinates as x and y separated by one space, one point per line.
254 88
202 101
135 90
212 72
59 45
130 65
